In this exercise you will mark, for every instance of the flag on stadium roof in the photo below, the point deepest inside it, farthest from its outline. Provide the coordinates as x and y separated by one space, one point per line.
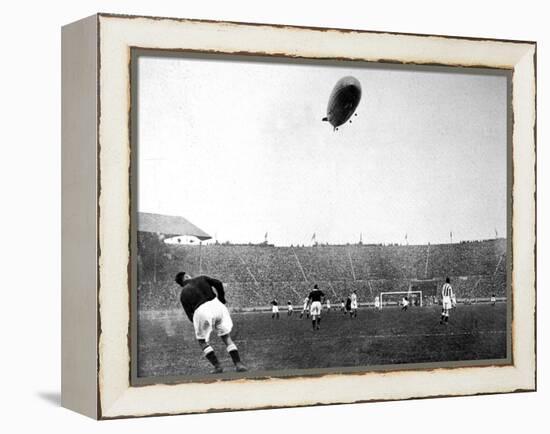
169 225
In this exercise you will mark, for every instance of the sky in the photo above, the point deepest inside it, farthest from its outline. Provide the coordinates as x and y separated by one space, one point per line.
239 149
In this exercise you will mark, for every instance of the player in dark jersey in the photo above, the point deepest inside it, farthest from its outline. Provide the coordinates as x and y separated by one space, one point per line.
348 307
316 298
207 312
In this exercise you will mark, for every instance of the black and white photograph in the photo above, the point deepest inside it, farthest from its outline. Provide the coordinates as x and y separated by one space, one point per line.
295 217
244 217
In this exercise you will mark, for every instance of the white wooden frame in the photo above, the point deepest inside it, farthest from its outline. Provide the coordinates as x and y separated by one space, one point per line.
96 218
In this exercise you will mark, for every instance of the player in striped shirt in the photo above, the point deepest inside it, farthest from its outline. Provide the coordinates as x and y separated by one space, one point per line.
448 297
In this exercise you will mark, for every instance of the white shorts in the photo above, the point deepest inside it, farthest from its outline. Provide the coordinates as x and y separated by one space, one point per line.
275 309
354 305
447 303
212 315
305 307
290 308
376 304
315 308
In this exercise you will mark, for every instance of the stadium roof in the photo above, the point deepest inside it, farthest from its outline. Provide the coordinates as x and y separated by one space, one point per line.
170 225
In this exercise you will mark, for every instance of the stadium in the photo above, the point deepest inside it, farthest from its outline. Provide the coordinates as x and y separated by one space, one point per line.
255 274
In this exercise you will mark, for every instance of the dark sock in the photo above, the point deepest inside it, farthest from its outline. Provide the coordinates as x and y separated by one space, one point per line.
211 356
446 319
235 356
313 323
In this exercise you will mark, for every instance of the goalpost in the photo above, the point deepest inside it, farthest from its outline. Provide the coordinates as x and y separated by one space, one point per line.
397 296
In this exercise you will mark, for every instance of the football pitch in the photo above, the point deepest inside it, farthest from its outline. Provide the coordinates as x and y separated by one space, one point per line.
167 346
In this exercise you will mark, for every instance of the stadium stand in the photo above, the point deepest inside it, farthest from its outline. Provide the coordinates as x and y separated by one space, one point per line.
255 274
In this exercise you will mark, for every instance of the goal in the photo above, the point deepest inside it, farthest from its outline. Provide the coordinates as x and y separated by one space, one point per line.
393 298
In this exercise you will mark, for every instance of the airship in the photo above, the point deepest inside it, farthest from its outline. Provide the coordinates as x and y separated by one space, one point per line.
343 101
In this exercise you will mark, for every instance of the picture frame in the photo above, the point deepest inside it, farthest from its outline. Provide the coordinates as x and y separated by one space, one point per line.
98 163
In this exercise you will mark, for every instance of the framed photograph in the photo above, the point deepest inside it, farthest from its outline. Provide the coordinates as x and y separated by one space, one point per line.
262 216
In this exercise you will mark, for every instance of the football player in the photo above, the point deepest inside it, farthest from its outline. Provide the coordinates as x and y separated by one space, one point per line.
354 304
305 308
448 297
274 309
316 297
207 311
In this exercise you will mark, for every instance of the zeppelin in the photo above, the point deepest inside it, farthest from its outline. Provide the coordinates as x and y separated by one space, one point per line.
343 101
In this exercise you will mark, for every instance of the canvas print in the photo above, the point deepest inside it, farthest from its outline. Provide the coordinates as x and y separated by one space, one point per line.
293 217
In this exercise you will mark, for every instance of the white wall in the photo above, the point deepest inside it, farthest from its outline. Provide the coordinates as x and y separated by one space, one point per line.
30 199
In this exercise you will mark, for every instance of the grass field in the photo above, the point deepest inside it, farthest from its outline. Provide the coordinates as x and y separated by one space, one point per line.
166 343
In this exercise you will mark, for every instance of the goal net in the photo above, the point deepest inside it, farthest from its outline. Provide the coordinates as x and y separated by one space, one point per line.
395 298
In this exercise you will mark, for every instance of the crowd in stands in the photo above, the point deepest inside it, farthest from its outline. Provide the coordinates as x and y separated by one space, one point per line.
256 274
